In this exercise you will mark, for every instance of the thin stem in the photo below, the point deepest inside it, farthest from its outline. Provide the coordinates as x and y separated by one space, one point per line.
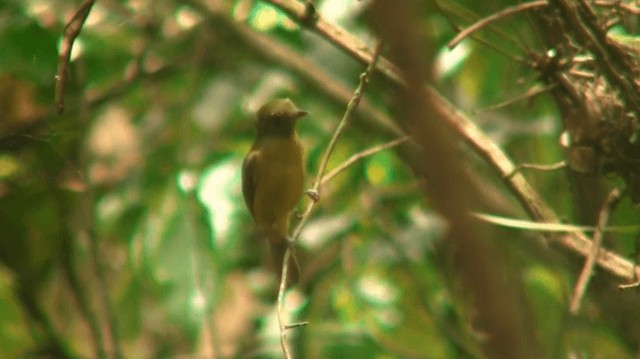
494 17
538 167
296 325
280 305
587 269
532 92
71 32
353 104
351 107
360 155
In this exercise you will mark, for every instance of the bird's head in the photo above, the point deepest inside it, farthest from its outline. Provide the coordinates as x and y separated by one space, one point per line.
278 117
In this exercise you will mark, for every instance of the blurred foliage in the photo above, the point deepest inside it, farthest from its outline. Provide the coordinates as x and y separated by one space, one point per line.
123 229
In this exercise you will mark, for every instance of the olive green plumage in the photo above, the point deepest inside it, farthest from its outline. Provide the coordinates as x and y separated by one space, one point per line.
273 173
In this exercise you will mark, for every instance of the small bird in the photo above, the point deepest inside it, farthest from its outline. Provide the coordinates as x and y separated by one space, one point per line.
273 175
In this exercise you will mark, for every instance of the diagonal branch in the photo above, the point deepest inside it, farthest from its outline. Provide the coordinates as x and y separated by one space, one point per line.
360 155
71 32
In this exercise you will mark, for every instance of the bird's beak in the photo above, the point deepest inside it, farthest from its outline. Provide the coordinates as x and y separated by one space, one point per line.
299 114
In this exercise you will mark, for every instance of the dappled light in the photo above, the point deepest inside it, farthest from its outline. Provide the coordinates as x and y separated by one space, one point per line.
319 179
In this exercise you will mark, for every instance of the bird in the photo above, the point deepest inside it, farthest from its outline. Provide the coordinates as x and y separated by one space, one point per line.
273 175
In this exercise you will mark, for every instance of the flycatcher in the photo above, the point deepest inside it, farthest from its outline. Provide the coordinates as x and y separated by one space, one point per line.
273 175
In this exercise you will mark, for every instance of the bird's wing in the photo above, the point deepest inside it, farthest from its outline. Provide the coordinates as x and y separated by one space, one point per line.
249 179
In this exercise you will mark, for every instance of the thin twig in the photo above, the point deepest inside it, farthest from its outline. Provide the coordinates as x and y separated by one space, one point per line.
281 291
351 107
296 325
630 285
532 92
538 167
360 155
71 32
494 17
353 104
446 9
587 270
549 227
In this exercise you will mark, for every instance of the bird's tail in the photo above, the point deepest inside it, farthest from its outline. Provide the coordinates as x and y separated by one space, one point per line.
278 246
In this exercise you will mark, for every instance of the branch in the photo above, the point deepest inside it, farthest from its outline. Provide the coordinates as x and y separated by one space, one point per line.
360 155
71 32
353 104
587 270
282 288
351 107
532 92
539 167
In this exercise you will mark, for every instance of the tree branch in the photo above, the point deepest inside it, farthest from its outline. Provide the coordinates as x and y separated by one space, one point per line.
71 32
